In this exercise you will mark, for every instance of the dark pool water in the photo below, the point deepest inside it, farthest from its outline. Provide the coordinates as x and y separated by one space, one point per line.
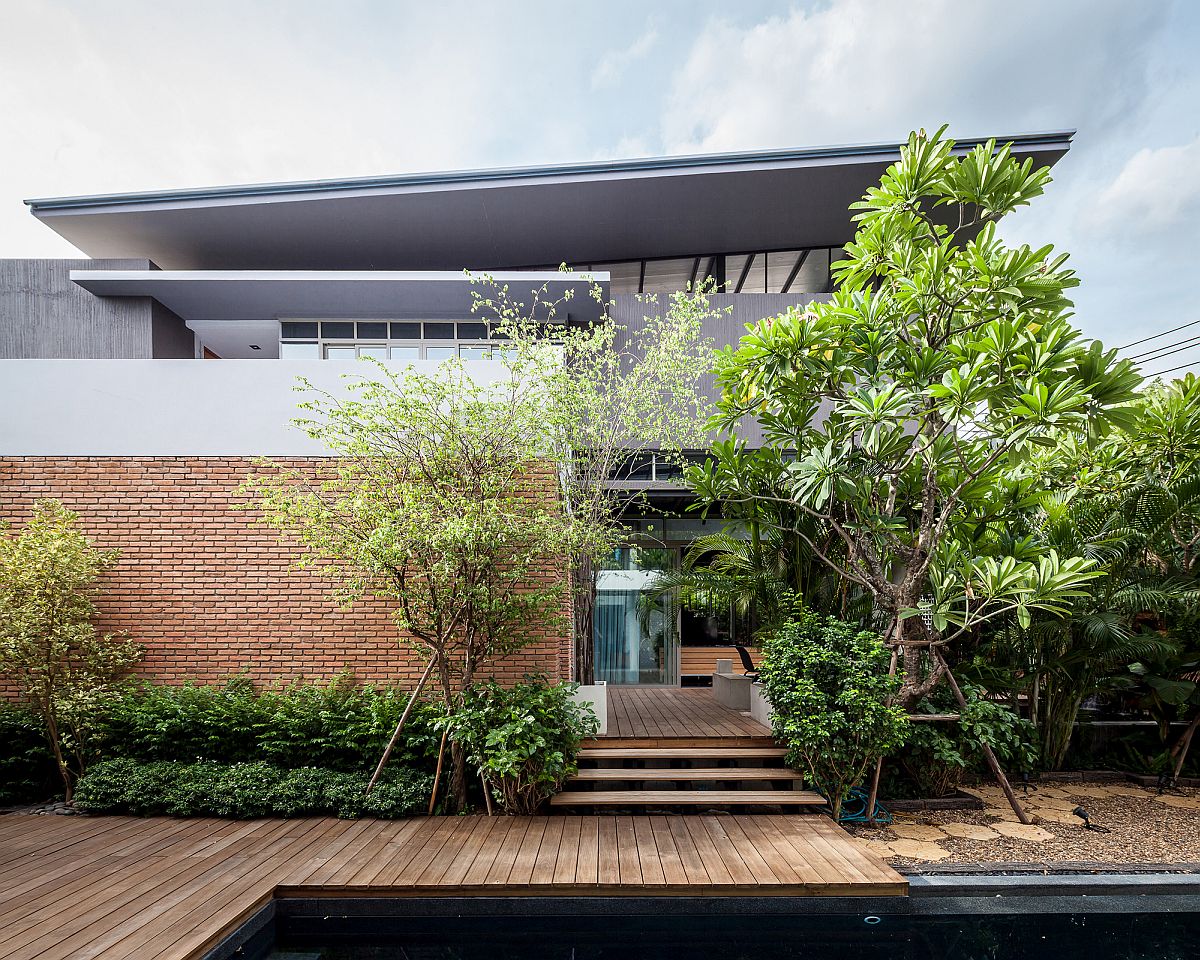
1110 936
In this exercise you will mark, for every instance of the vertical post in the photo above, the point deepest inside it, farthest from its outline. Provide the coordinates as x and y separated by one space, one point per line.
987 750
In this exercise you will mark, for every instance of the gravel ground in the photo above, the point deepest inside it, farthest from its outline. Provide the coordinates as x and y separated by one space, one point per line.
1143 828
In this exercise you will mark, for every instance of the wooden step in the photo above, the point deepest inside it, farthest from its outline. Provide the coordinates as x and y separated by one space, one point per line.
691 798
686 773
683 753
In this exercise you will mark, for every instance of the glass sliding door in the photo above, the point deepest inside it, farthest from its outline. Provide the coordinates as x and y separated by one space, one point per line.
636 641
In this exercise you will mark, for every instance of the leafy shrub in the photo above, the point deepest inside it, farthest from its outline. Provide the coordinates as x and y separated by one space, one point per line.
339 726
523 739
828 684
63 667
27 768
243 790
939 753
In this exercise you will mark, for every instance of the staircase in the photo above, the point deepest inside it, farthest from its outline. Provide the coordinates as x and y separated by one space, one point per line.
627 777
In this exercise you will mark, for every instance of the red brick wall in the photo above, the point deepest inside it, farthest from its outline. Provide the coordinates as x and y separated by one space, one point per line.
206 592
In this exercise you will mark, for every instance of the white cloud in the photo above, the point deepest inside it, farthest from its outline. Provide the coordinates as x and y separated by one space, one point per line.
855 70
614 64
1156 190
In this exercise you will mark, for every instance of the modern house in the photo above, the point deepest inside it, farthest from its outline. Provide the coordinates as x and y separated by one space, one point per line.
138 386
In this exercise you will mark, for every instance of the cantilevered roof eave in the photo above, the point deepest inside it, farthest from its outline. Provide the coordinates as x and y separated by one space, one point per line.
1054 141
505 219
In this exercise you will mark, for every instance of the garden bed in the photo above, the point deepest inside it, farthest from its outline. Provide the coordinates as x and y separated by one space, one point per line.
1144 827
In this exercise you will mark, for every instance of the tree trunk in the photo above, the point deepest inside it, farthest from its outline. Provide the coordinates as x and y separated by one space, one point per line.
921 672
1180 750
583 585
56 748
458 778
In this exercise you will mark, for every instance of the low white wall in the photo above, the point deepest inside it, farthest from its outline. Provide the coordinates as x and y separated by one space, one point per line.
169 408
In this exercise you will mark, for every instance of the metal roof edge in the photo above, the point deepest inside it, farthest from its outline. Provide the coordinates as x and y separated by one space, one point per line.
1060 139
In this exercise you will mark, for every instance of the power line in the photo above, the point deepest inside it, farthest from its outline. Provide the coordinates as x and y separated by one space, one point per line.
1159 373
1182 326
1167 353
1164 349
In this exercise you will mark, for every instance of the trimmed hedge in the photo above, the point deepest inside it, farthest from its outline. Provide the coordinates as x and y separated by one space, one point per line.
338 726
245 790
27 771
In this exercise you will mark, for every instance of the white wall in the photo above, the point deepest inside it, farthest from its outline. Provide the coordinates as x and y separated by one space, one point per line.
167 408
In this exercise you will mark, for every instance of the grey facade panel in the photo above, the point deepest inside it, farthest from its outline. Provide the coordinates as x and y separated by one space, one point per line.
734 312
44 315
170 337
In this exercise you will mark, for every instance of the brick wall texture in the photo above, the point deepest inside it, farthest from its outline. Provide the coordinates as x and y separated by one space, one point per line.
207 593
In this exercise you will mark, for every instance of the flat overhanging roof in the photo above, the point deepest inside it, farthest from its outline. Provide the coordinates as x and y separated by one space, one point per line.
589 213
240 295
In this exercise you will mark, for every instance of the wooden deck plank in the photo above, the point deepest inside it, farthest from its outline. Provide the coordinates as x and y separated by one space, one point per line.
546 859
666 713
566 864
702 798
179 885
608 871
587 866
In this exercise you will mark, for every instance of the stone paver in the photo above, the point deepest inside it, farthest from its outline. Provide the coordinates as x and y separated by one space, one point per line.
1021 831
918 850
1184 803
917 831
969 831
1053 815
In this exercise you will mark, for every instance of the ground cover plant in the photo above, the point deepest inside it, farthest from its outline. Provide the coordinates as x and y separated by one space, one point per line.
342 725
245 790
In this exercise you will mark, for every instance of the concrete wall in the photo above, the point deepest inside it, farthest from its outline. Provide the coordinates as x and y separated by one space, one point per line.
168 407
44 314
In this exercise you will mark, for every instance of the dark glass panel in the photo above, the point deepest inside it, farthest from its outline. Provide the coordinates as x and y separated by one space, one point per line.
372 331
294 330
337 331
472 331
439 331
406 331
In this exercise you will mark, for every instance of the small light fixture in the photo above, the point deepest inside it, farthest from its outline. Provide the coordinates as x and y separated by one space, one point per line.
255 346
1087 823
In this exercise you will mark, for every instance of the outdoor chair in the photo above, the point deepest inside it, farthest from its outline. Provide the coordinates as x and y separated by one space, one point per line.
748 667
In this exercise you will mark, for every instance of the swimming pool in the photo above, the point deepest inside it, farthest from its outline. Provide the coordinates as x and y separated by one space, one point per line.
1077 918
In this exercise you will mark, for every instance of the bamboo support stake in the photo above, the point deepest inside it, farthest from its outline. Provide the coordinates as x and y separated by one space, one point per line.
487 794
873 796
400 726
437 776
987 750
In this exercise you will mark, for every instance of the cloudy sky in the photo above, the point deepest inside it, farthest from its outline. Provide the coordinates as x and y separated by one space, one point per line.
140 95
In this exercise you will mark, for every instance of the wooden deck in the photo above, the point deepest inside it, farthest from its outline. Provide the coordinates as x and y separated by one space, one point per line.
676 714
121 887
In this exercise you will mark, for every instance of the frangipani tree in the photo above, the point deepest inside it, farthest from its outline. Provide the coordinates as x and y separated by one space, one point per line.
893 413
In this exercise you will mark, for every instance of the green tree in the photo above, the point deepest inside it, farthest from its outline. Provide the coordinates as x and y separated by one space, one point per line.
1061 657
610 394
894 412
63 667
1131 502
829 687
440 499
